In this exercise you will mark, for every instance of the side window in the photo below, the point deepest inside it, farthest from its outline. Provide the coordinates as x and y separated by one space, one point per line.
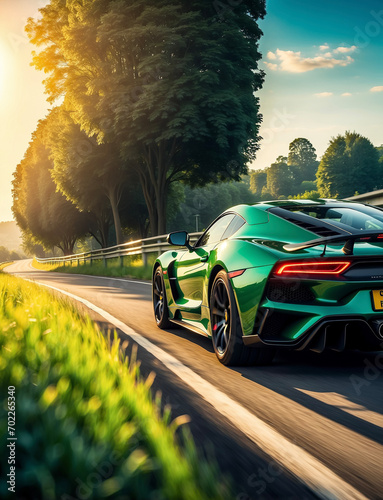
214 233
233 227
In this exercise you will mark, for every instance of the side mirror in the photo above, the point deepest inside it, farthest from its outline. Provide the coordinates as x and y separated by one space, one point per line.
179 239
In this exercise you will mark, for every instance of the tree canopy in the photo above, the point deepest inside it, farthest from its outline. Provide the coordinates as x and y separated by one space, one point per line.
258 180
44 215
287 176
8 255
302 159
350 163
89 174
170 85
280 178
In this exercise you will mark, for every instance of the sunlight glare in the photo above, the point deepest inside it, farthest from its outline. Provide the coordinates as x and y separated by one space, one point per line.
4 59
2 70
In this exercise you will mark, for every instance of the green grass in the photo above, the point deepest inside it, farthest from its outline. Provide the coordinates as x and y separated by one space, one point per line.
132 268
86 424
5 264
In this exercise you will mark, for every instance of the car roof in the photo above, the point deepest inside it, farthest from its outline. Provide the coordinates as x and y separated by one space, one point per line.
258 213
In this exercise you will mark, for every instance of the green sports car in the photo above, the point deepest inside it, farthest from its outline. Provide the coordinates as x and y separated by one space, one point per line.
295 274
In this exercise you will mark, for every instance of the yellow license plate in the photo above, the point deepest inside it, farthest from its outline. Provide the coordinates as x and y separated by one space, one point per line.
377 300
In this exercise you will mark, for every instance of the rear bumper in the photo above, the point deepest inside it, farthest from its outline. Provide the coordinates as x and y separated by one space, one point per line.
348 323
333 332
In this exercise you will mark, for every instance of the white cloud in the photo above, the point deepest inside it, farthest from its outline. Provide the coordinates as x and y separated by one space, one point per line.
293 62
271 66
377 89
324 94
328 54
271 55
346 94
345 50
326 46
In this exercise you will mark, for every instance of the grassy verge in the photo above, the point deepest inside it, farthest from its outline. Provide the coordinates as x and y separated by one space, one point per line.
132 268
86 425
5 264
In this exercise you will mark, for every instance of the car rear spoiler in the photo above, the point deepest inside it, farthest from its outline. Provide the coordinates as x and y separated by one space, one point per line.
349 239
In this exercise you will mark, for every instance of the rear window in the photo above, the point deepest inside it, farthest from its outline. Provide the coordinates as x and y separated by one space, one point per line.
346 218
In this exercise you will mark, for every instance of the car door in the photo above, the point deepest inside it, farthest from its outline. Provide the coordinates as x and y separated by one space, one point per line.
191 268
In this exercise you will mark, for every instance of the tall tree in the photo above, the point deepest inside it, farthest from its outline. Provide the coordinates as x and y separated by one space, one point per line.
44 215
93 177
258 180
350 164
169 81
280 178
89 174
302 159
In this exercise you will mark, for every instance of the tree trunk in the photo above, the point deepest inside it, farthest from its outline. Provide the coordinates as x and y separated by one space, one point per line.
103 224
113 198
162 195
144 229
104 233
150 200
152 210
59 247
98 240
67 246
157 175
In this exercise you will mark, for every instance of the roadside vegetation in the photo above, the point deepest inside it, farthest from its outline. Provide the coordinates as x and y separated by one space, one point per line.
132 268
86 424
5 264
350 163
8 255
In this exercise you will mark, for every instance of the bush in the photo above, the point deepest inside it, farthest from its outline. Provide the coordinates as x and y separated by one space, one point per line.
308 195
307 186
86 425
8 255
5 264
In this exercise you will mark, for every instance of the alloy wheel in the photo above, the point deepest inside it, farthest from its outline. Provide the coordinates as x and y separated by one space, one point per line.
221 317
158 296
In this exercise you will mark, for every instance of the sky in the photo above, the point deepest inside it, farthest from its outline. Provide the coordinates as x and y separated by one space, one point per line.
22 98
324 75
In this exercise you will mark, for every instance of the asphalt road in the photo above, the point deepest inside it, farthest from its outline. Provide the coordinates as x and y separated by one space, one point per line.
327 408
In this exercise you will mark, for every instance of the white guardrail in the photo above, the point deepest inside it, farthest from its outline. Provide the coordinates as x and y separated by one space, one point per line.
155 244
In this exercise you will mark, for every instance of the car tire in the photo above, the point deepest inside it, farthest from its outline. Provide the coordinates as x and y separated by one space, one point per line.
160 304
227 331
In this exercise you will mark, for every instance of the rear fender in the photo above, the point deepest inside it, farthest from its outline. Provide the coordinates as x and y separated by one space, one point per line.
233 255
243 254
248 291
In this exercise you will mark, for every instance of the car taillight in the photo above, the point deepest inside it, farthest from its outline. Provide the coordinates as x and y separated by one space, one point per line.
316 268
